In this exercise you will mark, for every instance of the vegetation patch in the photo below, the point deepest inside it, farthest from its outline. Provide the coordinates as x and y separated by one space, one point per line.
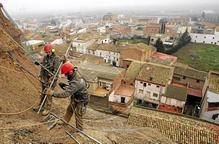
203 57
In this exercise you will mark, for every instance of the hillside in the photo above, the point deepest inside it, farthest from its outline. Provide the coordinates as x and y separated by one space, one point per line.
19 91
203 57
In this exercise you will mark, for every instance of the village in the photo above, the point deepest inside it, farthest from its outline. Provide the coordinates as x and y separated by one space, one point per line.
129 64
124 66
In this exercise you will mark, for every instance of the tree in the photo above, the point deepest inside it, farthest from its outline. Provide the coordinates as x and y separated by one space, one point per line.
159 45
184 39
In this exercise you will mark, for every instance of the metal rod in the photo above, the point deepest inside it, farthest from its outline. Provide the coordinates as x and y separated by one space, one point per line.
71 136
77 129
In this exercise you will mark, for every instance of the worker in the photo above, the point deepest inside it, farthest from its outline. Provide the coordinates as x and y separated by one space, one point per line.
50 65
76 90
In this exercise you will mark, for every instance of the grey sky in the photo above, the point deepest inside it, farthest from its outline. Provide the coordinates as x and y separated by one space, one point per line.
25 6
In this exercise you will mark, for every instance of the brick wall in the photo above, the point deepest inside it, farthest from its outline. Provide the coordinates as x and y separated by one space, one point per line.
192 82
178 128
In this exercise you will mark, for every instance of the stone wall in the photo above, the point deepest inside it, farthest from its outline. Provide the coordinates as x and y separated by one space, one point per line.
180 129
97 102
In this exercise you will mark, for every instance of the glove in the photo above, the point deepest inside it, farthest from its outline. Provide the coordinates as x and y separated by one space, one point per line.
62 85
49 92
40 78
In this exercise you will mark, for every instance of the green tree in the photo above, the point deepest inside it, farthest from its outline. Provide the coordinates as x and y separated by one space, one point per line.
184 39
159 45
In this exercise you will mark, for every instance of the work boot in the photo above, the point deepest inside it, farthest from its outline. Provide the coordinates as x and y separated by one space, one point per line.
45 112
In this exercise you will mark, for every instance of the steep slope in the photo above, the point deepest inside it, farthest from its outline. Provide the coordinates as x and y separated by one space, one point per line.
19 91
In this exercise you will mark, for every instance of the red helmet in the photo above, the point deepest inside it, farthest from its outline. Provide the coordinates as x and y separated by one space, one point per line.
47 48
66 68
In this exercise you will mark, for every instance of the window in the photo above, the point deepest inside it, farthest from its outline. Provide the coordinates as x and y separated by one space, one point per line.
149 84
145 84
141 82
158 86
139 101
155 95
140 91
148 93
122 100
184 77
204 36
213 37
177 78
197 81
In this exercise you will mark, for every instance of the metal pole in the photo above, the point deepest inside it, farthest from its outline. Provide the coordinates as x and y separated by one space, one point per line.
46 69
76 129
71 136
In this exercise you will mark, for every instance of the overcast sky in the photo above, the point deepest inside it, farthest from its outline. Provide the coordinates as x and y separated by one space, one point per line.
26 6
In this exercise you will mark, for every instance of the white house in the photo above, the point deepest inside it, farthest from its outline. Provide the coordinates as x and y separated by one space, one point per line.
52 29
34 42
123 95
101 29
84 30
106 40
81 46
151 82
58 42
205 38
182 29
174 96
109 52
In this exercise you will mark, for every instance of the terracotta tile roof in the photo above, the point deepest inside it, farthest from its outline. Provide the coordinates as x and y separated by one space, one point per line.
214 81
155 73
139 46
105 47
125 90
133 71
168 108
88 36
93 71
178 93
91 58
185 70
100 92
162 58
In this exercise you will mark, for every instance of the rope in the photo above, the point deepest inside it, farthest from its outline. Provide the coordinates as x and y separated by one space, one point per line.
20 112
27 125
16 113
3 67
